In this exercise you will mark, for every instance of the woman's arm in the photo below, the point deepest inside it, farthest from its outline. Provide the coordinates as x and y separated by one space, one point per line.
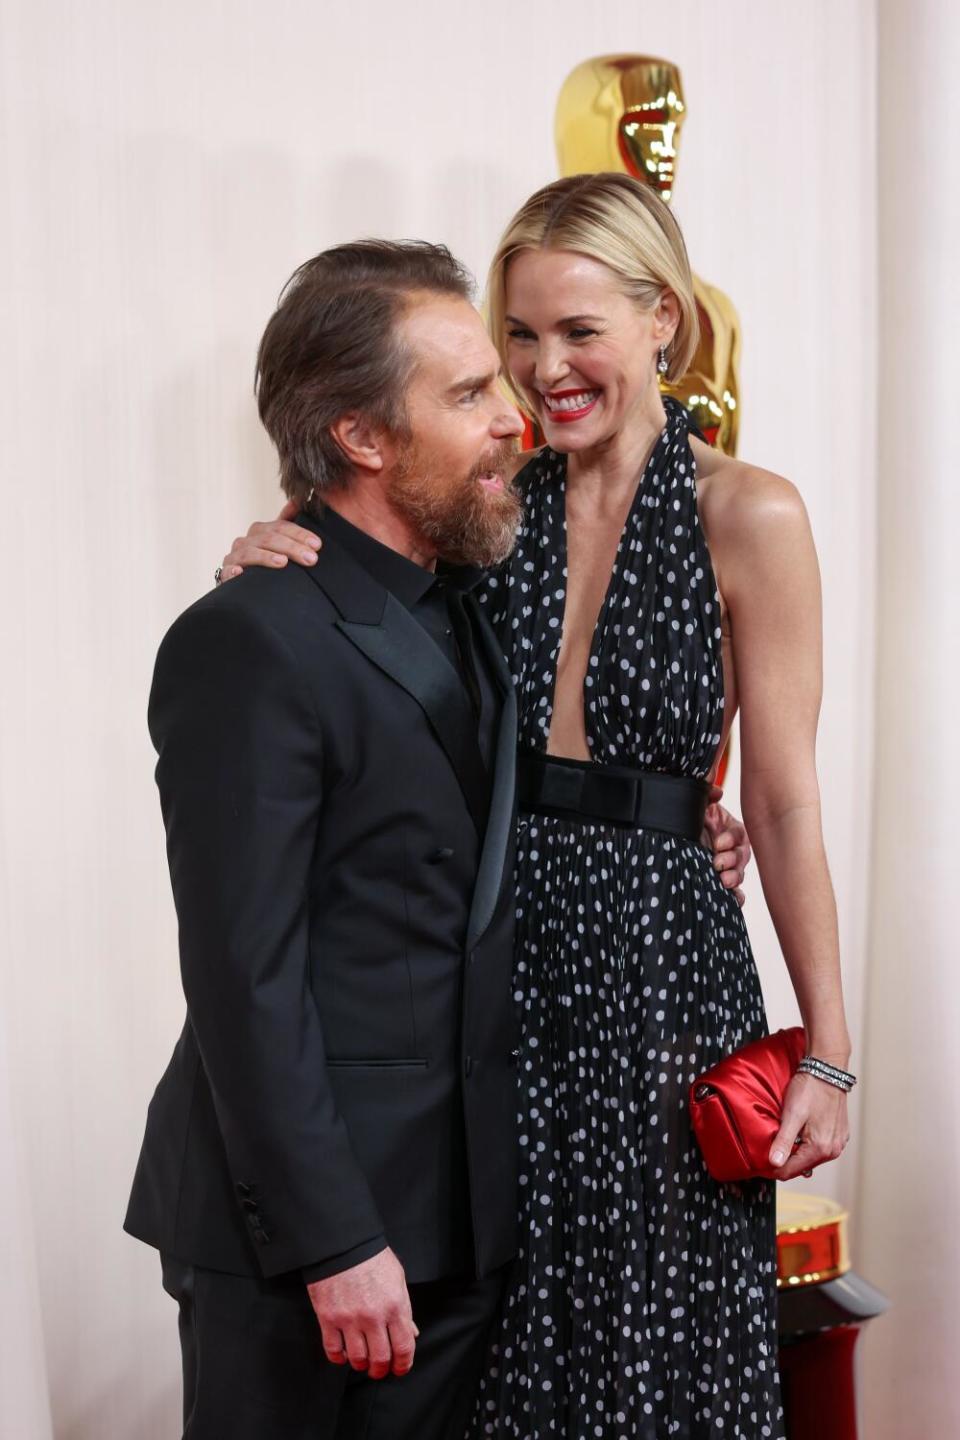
274 542
769 578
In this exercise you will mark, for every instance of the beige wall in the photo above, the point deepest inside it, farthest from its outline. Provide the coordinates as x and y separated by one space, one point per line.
164 168
909 1192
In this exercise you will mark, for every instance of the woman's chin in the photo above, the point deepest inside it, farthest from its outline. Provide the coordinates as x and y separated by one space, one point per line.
566 435
567 439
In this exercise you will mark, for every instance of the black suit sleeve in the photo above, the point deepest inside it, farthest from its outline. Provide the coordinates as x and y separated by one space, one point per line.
240 778
338 1263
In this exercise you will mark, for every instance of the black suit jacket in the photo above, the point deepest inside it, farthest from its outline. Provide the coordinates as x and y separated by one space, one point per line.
342 871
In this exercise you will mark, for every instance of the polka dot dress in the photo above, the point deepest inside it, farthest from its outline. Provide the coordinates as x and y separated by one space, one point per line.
643 1303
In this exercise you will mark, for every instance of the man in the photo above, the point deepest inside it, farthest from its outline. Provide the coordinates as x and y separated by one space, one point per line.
329 1167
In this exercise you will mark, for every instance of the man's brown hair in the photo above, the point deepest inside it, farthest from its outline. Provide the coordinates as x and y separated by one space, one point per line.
331 347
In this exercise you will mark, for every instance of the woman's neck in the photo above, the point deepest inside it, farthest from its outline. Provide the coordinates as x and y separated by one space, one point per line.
606 475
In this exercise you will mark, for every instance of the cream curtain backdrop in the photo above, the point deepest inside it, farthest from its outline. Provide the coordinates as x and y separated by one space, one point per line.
909 1192
24 1401
164 168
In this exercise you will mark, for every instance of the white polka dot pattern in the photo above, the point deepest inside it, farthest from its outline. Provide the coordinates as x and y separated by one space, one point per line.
643 1303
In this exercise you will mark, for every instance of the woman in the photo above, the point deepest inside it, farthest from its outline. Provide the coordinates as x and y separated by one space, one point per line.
657 587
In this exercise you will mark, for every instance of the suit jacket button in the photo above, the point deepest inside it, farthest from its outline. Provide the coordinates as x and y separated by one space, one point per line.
261 1236
243 1188
251 1206
442 853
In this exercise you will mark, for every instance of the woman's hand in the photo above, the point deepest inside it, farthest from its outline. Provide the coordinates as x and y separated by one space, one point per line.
728 839
815 1114
273 543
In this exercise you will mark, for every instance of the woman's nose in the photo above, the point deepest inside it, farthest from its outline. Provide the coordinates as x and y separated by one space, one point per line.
551 367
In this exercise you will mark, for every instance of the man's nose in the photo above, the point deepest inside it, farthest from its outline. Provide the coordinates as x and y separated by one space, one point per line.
508 422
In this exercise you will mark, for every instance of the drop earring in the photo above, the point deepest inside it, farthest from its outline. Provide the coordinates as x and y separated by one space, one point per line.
663 365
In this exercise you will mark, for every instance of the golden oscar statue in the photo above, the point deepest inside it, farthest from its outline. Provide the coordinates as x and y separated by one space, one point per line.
625 112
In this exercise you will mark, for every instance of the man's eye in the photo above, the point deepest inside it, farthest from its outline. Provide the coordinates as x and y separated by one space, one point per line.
468 396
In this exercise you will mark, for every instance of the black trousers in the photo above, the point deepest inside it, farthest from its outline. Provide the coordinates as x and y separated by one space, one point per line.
254 1367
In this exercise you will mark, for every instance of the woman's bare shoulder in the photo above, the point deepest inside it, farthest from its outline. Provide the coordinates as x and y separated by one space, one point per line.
740 500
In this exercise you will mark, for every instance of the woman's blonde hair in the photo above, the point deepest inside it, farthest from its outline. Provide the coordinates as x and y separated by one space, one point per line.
619 221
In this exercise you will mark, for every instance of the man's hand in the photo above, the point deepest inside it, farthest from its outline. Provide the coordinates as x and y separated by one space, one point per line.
365 1317
728 840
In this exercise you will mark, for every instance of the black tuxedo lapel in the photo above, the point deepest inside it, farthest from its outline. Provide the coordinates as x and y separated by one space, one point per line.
500 817
387 634
404 651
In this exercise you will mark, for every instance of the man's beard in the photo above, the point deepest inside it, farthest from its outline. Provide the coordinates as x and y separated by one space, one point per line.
464 522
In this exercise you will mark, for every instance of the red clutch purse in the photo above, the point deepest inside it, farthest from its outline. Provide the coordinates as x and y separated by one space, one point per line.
736 1106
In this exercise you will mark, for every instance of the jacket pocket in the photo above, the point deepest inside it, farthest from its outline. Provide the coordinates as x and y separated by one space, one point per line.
377 1064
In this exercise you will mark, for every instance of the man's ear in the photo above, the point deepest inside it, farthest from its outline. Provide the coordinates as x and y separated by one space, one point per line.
364 444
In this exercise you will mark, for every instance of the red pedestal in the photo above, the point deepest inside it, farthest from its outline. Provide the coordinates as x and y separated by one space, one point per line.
823 1306
817 1381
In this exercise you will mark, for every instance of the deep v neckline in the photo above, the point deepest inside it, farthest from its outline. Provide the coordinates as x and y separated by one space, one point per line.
660 444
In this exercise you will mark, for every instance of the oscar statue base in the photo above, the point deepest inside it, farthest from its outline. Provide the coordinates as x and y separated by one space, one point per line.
823 1305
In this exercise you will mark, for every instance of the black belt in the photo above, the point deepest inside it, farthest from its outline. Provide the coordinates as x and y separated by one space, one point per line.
611 794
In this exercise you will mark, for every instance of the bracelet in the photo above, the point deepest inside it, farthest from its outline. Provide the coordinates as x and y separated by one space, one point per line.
831 1074
827 1069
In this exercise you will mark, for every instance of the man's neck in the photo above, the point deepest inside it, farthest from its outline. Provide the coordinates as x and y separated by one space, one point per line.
370 513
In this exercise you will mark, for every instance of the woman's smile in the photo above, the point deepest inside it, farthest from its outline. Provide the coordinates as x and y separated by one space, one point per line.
565 406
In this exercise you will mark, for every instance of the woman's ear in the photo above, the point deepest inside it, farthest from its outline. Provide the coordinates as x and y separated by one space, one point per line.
666 317
361 442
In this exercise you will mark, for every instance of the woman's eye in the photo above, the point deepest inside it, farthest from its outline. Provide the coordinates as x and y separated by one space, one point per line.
581 333
519 335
